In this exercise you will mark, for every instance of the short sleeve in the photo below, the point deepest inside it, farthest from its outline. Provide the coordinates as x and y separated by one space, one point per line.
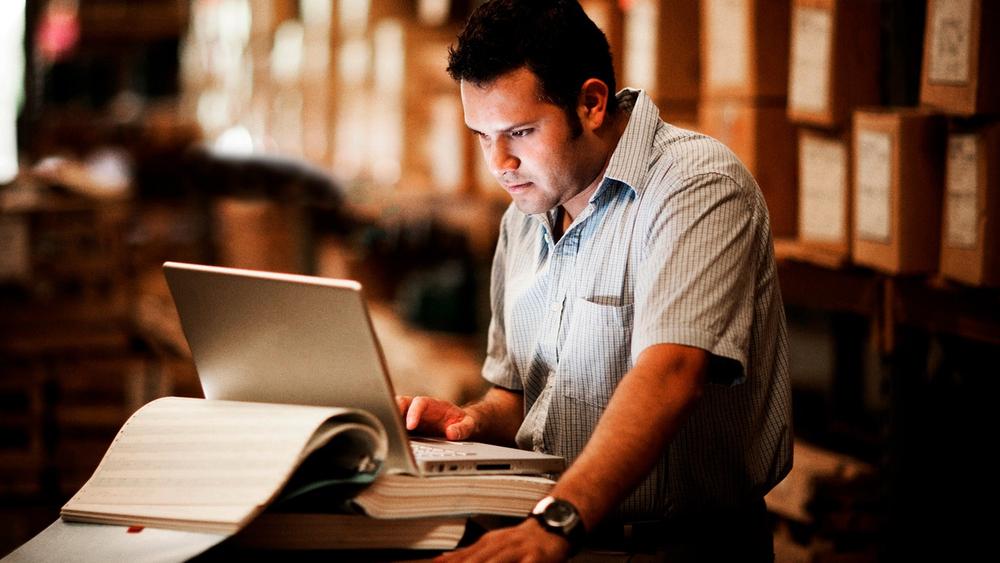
498 367
695 279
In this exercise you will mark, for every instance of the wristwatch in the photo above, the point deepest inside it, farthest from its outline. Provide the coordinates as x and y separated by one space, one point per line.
560 517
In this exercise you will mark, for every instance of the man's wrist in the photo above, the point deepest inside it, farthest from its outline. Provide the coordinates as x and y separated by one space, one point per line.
560 517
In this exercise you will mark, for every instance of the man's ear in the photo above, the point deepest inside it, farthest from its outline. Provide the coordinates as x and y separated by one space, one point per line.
593 103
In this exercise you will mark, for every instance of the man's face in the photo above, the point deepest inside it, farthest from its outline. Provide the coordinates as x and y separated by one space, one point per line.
528 143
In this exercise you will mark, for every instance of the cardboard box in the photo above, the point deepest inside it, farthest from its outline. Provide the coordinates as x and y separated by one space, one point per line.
898 183
961 68
825 191
764 141
661 49
970 234
744 49
834 60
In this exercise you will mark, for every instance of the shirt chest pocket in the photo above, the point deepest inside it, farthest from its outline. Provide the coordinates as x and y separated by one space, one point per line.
597 351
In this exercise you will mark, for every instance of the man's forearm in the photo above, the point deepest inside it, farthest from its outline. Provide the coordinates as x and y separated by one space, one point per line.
648 407
498 416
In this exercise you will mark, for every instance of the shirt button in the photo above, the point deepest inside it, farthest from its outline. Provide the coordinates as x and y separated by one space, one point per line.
556 306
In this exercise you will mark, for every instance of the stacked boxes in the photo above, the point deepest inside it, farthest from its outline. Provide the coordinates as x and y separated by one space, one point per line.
744 81
961 78
833 68
661 55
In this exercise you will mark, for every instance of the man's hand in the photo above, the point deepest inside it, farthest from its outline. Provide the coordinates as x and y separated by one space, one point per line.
527 541
435 417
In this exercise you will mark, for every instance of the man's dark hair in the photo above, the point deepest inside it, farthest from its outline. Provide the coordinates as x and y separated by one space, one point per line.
552 38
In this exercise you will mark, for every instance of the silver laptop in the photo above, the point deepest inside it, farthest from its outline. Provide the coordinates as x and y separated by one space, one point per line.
284 338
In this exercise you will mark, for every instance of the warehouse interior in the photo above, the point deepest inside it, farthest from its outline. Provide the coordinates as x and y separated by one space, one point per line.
324 137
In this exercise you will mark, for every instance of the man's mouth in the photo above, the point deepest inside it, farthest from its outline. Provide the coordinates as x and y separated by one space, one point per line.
517 188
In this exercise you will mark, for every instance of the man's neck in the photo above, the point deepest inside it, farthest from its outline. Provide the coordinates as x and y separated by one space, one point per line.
610 137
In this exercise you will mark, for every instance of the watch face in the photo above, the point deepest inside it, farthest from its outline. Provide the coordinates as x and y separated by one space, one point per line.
560 514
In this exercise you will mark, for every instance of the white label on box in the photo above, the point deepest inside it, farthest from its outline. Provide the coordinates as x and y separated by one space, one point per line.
728 42
15 249
949 41
809 84
641 27
962 191
823 189
873 178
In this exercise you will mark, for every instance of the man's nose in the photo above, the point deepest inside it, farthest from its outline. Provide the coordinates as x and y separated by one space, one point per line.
501 158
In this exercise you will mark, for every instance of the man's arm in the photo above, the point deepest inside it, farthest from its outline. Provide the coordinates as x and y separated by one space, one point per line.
495 418
647 409
649 406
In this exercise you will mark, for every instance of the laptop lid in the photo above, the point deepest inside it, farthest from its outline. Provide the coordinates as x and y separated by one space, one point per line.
287 338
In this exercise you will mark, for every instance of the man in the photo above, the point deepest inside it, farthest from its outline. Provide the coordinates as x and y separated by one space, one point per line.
637 325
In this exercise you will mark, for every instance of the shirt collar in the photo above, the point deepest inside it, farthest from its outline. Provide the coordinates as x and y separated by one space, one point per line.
630 160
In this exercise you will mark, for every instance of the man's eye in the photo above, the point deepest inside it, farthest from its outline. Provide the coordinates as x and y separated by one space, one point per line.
520 133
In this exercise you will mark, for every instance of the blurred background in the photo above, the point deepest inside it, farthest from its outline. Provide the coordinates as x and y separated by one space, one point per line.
324 137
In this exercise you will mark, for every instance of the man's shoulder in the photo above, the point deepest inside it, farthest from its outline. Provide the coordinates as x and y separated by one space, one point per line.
682 155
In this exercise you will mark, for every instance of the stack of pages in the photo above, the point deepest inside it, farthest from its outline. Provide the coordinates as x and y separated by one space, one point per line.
284 477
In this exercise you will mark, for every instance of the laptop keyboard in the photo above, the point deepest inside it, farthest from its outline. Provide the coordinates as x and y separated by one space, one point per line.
424 450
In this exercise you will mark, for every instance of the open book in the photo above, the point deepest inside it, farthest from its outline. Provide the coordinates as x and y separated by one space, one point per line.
215 466
212 466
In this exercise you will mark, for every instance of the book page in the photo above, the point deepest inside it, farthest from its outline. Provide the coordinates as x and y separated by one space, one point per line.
97 543
812 38
823 189
203 461
950 38
729 42
407 496
962 187
641 44
873 178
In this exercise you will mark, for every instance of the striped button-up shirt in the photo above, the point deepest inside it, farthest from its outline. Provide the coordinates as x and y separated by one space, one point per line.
673 247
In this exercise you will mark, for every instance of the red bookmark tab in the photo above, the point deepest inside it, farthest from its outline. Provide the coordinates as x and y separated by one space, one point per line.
134 529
